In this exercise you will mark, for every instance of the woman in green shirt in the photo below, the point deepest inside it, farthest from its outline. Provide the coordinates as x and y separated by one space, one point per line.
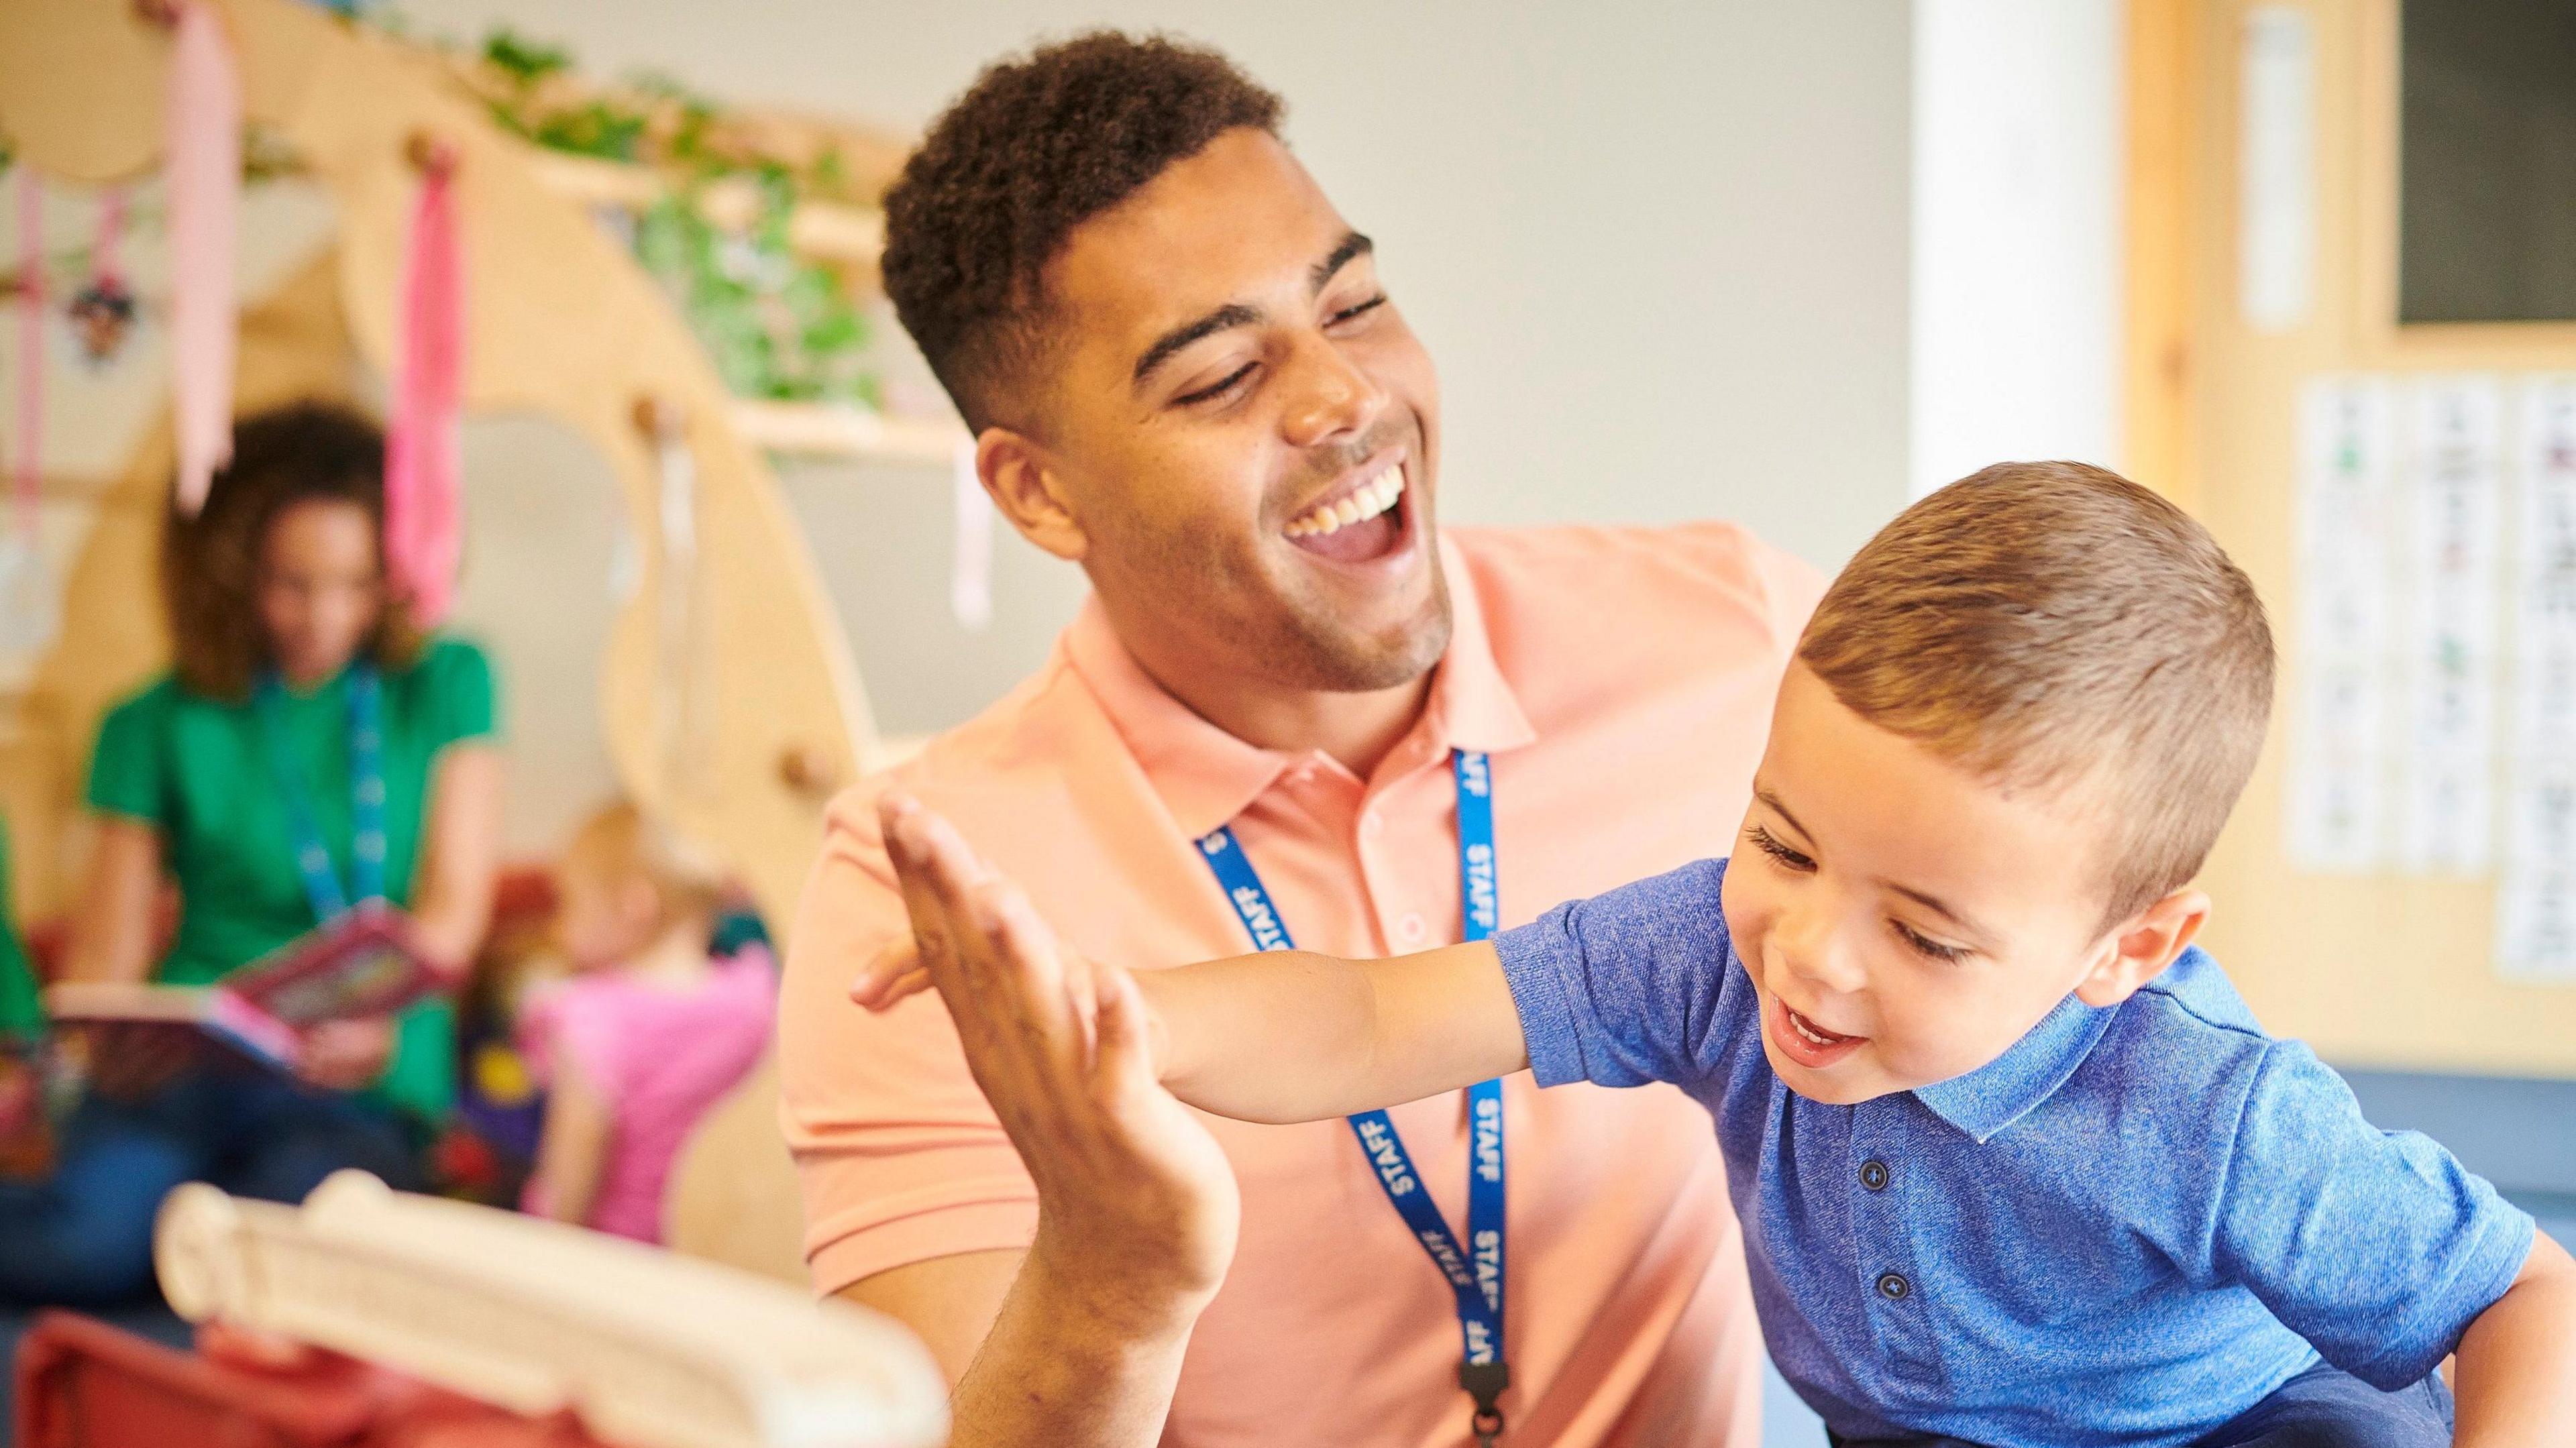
303 711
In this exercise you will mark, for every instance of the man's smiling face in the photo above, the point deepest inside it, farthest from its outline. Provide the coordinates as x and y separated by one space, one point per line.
1244 428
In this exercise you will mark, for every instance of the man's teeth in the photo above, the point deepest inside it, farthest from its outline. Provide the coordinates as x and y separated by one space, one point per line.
1364 502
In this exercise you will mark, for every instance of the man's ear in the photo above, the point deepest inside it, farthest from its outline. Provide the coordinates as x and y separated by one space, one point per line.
2139 951
1022 482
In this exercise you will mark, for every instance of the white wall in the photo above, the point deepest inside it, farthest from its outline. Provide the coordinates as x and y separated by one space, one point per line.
1659 252
2016 222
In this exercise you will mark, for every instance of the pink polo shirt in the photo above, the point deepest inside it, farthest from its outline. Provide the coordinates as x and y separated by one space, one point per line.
1622 680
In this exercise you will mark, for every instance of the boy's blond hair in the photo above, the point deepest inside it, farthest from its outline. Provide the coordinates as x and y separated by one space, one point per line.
2052 626
622 843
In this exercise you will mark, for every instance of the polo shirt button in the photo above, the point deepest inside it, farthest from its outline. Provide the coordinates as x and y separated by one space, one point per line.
1410 928
1893 1287
1873 1174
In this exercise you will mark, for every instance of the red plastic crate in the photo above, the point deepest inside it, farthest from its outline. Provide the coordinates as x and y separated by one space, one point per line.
84 1384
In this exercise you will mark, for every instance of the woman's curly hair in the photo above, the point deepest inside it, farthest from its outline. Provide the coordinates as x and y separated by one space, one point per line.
1036 146
303 452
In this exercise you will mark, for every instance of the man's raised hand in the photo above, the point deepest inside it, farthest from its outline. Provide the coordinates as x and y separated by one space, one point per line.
1135 1199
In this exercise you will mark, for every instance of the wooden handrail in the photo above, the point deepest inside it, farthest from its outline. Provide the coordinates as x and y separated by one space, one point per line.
822 229
834 430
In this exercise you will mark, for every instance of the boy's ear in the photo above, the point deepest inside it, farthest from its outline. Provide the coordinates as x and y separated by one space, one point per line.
1015 473
2139 951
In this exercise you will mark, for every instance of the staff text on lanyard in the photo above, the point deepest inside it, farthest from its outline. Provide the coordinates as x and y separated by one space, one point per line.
1475 1270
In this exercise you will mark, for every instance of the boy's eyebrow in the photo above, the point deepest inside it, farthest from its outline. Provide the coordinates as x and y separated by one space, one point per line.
1978 933
1782 810
1934 904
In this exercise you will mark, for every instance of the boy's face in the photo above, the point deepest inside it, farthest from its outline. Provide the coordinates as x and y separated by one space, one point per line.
1904 921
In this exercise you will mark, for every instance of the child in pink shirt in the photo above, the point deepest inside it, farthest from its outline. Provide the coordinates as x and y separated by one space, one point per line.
647 1034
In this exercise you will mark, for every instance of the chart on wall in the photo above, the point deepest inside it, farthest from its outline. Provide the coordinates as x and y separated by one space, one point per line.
2434 643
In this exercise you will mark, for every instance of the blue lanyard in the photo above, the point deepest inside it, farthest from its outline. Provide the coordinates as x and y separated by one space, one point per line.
366 793
1475 1277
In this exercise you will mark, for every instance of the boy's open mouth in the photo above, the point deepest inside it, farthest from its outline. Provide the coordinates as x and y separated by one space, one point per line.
1805 1042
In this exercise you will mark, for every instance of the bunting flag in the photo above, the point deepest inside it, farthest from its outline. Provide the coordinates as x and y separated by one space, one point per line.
102 312
203 155
423 516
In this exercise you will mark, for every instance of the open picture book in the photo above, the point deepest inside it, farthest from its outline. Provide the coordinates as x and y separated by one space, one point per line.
364 962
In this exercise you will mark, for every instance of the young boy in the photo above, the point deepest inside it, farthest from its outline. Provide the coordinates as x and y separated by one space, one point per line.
2015 1163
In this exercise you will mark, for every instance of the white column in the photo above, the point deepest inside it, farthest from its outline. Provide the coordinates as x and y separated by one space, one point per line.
2017 209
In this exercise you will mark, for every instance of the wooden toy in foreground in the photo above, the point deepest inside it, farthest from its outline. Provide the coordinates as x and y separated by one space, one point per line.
642 1348
365 962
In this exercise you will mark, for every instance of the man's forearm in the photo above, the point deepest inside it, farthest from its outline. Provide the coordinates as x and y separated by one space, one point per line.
1074 1364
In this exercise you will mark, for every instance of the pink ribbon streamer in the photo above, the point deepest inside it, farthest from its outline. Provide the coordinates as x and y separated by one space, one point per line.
31 350
423 536
203 155
103 262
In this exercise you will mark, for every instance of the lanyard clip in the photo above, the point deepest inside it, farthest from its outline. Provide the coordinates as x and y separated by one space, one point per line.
1484 1383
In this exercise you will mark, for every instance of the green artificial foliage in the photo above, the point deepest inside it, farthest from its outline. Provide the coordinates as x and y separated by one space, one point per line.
778 325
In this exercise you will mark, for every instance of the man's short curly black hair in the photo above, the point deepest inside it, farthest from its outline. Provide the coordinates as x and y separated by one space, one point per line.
1036 146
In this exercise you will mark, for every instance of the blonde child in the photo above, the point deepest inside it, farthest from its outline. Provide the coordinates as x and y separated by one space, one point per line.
2016 1165
646 1034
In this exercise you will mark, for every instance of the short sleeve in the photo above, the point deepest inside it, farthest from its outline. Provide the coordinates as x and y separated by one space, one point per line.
899 1156
458 698
129 767
2377 1247
566 1026
1630 987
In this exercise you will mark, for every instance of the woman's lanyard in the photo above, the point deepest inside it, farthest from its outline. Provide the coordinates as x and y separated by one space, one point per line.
1475 1277
366 793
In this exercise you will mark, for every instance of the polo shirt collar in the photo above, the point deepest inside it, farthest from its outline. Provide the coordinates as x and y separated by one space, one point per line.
1206 776
2004 1090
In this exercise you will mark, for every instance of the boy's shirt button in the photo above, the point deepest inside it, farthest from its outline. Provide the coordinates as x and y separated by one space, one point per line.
1873 1174
1893 1287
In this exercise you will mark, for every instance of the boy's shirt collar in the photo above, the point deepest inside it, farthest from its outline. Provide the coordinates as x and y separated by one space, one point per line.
2005 1089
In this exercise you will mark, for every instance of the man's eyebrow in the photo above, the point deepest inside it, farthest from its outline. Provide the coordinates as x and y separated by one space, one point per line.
1232 314
1236 314
1353 247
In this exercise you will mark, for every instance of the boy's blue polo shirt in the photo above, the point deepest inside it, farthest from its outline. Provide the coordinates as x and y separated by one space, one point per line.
2129 1228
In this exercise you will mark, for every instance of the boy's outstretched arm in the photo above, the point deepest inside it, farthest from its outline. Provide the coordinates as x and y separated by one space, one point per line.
1284 1036
1295 1036
2515 1378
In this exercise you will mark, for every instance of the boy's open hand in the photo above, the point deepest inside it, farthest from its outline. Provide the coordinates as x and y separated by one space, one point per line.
1135 1198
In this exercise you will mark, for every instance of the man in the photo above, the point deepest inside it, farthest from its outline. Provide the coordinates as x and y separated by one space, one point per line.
1185 376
